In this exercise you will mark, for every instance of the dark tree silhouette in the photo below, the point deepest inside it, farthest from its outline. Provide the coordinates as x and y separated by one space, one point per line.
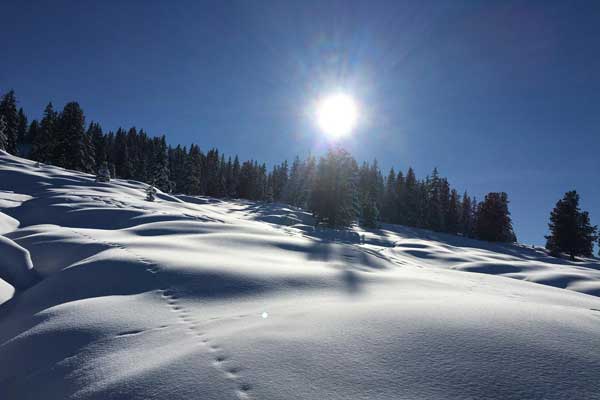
493 219
570 228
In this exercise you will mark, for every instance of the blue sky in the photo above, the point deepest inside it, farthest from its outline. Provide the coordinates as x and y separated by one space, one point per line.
500 96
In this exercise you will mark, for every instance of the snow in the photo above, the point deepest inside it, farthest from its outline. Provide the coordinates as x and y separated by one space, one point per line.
193 297
15 265
7 224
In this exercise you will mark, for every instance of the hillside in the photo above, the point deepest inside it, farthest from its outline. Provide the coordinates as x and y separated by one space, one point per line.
194 297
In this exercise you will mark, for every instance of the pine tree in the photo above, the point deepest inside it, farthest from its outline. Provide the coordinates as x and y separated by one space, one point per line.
434 210
8 109
570 228
103 174
161 165
194 171
98 142
32 133
334 194
3 136
44 142
453 213
388 211
76 147
493 219
370 214
400 208
23 142
466 216
411 213
122 161
177 168
235 184
308 176
150 193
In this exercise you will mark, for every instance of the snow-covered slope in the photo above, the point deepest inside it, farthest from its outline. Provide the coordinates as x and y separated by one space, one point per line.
207 299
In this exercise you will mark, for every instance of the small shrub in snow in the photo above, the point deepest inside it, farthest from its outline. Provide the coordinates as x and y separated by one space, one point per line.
150 193
103 173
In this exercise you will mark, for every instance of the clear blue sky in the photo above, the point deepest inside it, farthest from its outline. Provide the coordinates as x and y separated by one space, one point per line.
500 96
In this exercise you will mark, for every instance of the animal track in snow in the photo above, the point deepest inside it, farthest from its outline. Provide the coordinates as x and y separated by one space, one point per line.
170 299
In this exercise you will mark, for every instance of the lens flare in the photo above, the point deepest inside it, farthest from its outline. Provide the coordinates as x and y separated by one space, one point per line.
337 115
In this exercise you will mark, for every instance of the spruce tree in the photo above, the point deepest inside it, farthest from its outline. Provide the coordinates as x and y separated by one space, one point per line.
388 211
308 176
434 212
493 219
411 213
3 135
400 208
76 148
177 168
8 109
370 214
161 165
121 158
453 213
194 171
103 174
570 228
98 142
44 142
32 132
334 194
23 140
466 216
150 193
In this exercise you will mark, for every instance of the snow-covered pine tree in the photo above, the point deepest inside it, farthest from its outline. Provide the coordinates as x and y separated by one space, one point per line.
370 214
98 142
3 136
103 174
193 171
75 150
161 165
8 109
150 193
570 229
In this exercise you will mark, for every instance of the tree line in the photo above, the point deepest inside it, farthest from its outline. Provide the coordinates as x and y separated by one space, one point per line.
334 187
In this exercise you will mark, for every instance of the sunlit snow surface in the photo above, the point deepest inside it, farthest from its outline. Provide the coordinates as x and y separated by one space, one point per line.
198 298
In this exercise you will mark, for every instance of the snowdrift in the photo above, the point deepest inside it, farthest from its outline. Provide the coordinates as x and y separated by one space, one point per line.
192 297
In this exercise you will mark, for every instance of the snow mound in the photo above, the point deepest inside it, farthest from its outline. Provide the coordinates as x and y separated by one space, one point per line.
192 297
6 292
7 224
15 265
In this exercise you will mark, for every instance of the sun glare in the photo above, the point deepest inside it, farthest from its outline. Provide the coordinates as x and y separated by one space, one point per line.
337 115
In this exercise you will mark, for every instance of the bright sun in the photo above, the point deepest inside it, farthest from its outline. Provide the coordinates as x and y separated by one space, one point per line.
337 115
